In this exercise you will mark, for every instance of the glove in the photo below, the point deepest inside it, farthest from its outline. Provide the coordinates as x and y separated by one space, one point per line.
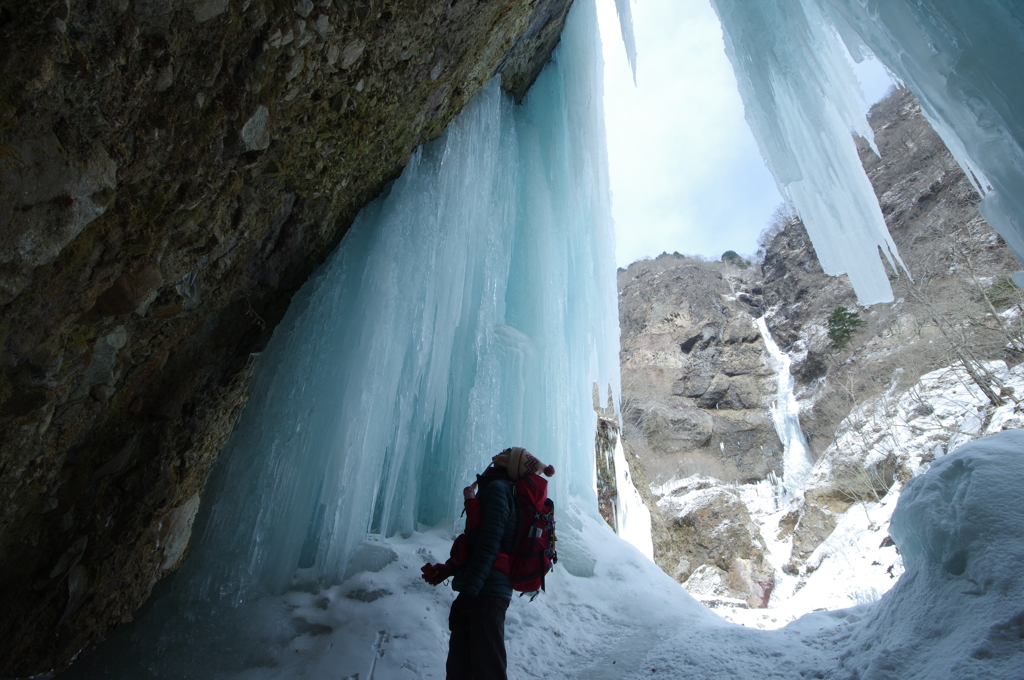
435 574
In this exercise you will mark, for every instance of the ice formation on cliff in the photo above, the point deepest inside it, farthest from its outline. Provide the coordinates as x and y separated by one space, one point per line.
962 60
802 102
470 307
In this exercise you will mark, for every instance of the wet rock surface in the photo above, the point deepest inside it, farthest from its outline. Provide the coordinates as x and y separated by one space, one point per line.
171 172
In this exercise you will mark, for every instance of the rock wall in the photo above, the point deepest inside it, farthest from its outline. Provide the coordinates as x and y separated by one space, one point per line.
696 385
695 382
171 171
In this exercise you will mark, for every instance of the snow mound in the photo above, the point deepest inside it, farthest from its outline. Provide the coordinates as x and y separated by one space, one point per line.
958 611
958 517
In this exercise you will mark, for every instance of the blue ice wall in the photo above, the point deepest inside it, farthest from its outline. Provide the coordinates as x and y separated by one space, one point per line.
470 308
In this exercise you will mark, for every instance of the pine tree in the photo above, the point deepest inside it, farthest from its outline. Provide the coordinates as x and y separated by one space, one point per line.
841 325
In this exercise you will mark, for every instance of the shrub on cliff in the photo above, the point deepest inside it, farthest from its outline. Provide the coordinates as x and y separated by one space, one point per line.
841 325
734 258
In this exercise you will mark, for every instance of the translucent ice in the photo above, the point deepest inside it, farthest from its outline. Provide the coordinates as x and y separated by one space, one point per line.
961 59
963 62
625 13
469 309
802 102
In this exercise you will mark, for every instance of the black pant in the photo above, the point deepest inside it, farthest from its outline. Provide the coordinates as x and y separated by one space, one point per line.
477 647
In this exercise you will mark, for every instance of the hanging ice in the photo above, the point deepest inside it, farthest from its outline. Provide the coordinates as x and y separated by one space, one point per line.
802 102
961 59
625 12
963 62
470 308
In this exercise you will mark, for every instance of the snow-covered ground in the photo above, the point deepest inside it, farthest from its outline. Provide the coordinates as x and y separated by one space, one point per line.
609 612
856 564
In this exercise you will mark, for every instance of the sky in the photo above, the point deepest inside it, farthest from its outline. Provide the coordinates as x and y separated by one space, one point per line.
686 174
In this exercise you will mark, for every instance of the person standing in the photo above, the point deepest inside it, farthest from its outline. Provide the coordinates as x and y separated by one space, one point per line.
476 649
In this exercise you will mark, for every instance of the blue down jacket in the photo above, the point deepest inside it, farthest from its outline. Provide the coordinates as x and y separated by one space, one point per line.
497 533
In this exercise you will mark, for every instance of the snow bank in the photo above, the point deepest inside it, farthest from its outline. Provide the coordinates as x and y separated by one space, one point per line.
958 611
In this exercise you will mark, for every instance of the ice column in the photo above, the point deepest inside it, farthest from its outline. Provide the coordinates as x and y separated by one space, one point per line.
802 102
796 459
470 308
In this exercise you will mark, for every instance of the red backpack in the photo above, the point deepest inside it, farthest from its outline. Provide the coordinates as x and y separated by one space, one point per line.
533 553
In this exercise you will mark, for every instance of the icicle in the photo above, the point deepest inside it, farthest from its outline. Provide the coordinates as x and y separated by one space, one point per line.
962 61
625 12
801 101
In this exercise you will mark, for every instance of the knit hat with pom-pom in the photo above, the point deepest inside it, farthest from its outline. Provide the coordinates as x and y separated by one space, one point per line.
519 462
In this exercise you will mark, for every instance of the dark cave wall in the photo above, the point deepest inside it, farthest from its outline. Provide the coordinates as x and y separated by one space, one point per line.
171 171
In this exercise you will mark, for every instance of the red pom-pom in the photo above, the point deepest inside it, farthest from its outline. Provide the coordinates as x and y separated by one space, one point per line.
550 471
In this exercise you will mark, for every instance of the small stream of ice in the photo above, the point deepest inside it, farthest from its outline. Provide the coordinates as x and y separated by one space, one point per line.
796 460
632 518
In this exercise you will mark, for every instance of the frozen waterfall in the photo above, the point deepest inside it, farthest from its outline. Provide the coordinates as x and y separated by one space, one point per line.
470 308
796 458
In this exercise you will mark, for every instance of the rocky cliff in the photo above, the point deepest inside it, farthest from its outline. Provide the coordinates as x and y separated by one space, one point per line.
696 384
694 376
171 172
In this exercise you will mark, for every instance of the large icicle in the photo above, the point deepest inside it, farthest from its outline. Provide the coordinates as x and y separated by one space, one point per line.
801 100
625 12
963 61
